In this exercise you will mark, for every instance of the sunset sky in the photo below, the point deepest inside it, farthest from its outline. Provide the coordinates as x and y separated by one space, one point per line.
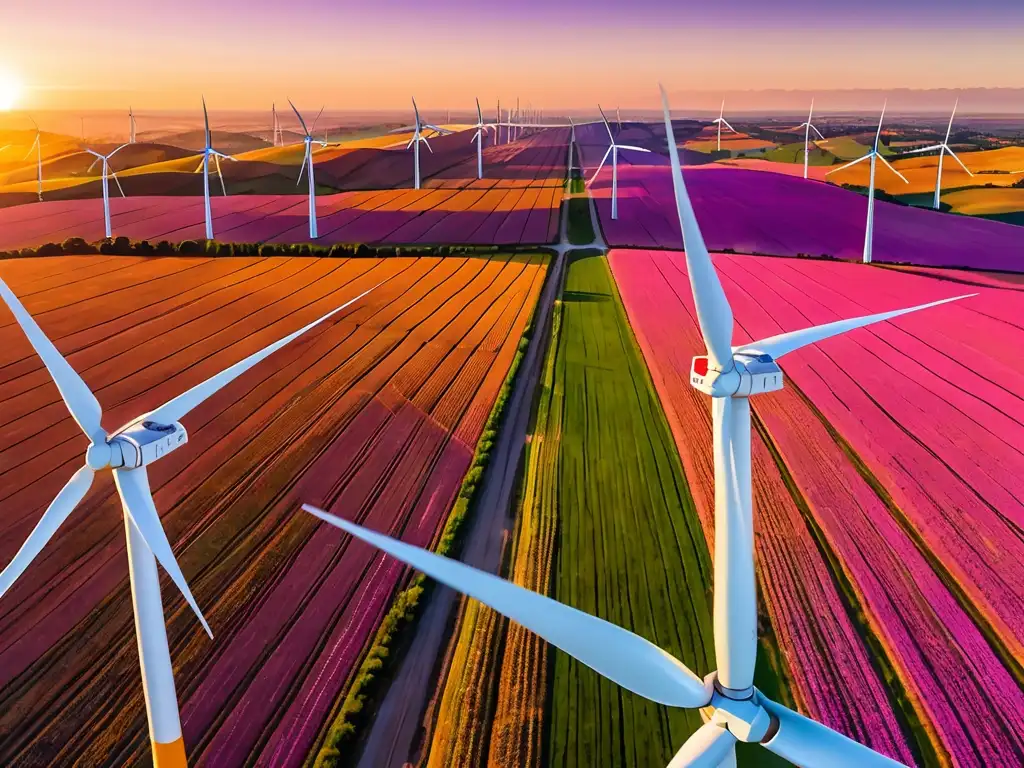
104 54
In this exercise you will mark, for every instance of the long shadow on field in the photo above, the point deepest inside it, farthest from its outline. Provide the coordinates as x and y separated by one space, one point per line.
584 296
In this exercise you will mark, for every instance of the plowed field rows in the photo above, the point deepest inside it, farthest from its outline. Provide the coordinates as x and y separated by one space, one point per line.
374 415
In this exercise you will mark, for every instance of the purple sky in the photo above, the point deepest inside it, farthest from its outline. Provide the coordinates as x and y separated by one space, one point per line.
560 53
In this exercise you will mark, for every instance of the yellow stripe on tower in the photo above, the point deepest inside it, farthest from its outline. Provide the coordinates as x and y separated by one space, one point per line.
169 755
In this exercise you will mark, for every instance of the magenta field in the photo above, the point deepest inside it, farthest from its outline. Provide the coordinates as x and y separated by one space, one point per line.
772 214
903 445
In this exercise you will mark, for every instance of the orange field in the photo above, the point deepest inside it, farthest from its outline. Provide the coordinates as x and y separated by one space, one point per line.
374 415
983 202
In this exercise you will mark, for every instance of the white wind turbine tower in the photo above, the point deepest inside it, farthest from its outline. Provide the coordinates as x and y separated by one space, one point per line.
131 127
873 155
107 173
204 166
720 121
307 162
808 127
613 150
37 145
943 148
127 452
740 711
414 142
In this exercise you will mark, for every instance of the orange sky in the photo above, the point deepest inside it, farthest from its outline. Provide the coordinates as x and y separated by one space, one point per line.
155 55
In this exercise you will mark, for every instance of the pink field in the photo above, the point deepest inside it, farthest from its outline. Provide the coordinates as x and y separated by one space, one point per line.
934 414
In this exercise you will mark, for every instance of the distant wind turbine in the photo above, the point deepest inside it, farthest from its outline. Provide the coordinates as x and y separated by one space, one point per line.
107 173
736 711
873 155
307 162
720 121
613 150
204 166
278 134
131 126
478 137
808 127
943 148
127 452
414 142
37 145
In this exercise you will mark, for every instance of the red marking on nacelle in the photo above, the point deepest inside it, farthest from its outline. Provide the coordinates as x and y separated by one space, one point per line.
700 366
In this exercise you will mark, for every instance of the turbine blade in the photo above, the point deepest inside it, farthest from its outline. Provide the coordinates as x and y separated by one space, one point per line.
713 312
216 162
601 164
950 128
317 120
77 396
813 745
137 503
613 652
784 343
606 126
919 150
206 120
850 164
305 157
180 406
98 158
819 133
301 121
424 140
117 150
63 505
726 124
479 114
878 135
889 166
118 182
953 155
708 747
632 148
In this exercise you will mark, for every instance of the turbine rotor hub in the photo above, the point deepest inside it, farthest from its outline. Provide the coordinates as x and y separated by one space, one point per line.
98 455
751 373
743 717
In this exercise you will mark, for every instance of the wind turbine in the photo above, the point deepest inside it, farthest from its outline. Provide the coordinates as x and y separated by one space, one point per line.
131 128
204 166
37 145
808 127
740 711
278 134
107 173
127 452
613 150
943 148
497 125
869 232
414 142
720 121
478 137
307 161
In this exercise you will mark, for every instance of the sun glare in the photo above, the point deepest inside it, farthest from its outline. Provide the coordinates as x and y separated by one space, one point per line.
9 91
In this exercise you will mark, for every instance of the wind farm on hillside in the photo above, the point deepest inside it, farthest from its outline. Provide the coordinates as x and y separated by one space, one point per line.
523 421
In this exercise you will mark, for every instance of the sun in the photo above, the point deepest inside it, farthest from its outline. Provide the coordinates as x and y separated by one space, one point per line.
10 89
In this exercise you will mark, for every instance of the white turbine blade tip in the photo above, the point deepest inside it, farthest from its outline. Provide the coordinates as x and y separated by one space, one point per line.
63 504
613 652
177 408
709 747
84 406
784 343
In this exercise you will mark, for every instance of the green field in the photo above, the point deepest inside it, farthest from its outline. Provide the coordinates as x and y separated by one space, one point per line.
794 153
630 547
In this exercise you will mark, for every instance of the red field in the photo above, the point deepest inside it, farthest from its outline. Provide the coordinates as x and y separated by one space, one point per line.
374 415
903 446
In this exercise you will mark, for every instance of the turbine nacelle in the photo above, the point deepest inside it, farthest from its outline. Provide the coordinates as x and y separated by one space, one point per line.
750 374
135 445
